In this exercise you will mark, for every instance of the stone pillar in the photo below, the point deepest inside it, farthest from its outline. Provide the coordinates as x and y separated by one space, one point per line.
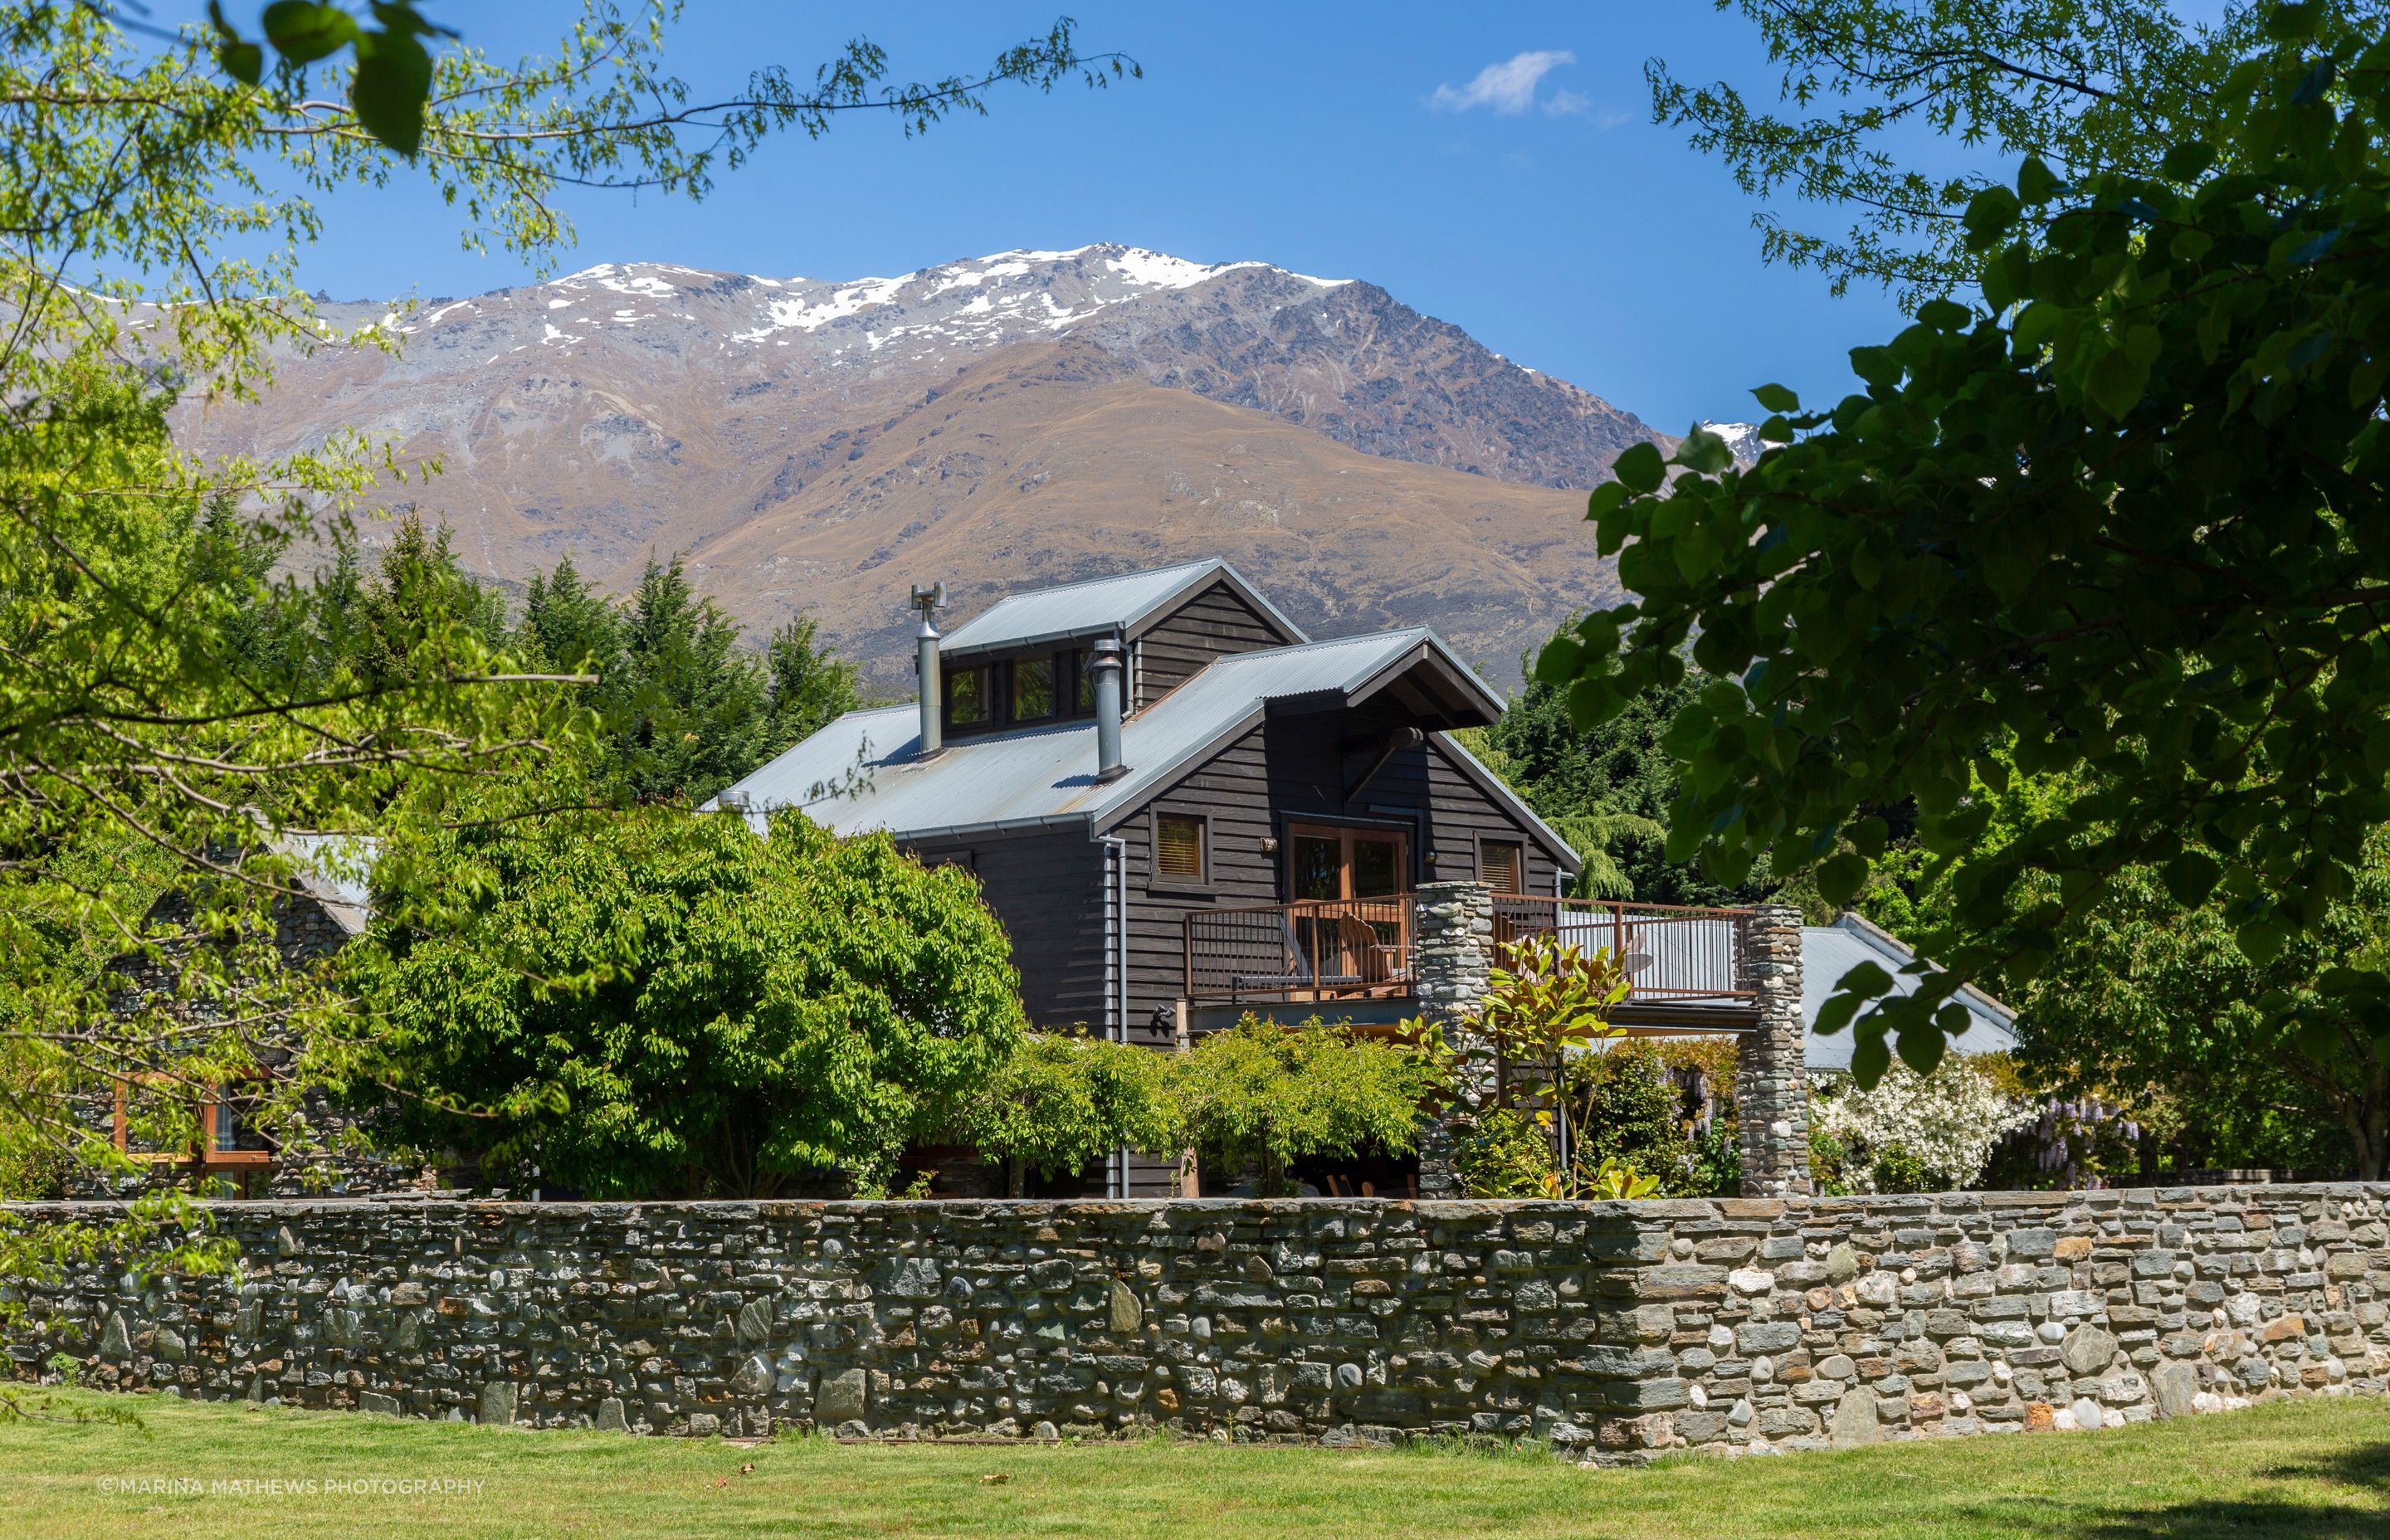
1772 1085
1452 951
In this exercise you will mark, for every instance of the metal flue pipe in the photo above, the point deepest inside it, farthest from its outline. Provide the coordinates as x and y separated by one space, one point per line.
929 601
1109 670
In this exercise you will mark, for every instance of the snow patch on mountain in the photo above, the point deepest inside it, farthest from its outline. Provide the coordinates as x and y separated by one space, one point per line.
1742 440
970 305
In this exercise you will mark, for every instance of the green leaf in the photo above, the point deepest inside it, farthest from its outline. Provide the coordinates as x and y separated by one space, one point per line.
243 61
1870 1058
1990 216
2036 182
1697 552
1640 467
1836 1013
2190 877
1559 661
1944 315
1704 452
1776 398
2260 941
393 82
2115 384
2186 162
303 31
1839 878
1604 498
1863 980
1921 1047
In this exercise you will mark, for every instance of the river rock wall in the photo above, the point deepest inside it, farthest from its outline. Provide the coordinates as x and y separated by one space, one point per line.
1613 1330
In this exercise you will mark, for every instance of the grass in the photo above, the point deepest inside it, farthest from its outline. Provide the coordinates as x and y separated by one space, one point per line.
2303 1470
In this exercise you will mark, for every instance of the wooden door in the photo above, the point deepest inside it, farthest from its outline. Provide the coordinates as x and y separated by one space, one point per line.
1350 921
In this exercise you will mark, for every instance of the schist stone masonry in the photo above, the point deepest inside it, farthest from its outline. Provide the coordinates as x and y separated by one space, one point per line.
1613 1330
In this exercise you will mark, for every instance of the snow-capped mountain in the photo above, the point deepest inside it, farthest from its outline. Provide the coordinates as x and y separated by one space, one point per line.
1743 439
1025 417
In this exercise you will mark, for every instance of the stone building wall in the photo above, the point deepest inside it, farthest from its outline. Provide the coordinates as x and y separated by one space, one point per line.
1614 1330
338 1158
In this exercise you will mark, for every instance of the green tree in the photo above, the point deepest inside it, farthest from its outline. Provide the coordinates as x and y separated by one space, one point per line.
2122 526
157 199
1899 114
568 625
811 686
2153 1002
690 708
650 1003
1607 789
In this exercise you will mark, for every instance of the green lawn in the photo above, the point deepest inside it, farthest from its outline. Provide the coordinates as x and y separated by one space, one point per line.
2307 1469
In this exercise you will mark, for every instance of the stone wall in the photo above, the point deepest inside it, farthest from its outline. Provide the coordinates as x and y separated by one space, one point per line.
1612 1329
1755 1323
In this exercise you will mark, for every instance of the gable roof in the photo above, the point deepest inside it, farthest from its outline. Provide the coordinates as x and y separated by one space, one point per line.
863 771
335 870
1101 606
1830 951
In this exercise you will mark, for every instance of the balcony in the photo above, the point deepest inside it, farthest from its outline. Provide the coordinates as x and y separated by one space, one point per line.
1686 968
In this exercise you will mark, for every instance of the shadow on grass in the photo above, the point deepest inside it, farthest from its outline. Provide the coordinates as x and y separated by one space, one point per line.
2358 1507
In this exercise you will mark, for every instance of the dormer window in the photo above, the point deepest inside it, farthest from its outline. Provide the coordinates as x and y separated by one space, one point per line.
1033 690
1083 682
967 697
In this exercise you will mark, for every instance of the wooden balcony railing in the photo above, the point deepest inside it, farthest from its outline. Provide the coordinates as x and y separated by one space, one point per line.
1319 949
1360 948
1670 952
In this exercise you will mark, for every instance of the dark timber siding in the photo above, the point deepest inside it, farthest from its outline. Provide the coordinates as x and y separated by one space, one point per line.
1211 623
1047 888
1295 769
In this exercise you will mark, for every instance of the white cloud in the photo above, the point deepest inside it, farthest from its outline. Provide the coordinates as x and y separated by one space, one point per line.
1561 103
1510 87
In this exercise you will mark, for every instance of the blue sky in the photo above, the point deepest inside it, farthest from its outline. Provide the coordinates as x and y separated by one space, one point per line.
1538 209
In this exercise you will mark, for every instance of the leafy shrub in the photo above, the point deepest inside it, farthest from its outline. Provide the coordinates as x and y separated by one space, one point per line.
1500 1154
1060 1103
1913 1132
1265 1096
1630 1110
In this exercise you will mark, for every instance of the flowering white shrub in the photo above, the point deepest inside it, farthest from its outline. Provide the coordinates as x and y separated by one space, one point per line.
1946 1123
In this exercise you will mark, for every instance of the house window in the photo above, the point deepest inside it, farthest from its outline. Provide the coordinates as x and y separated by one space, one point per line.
218 1113
1033 690
1083 682
966 704
1179 853
1502 866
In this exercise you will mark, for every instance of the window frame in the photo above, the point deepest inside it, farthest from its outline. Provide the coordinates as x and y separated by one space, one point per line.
205 1155
1160 881
1012 717
990 696
1517 843
1405 832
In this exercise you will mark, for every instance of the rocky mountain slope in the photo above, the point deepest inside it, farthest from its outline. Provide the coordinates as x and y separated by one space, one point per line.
1025 417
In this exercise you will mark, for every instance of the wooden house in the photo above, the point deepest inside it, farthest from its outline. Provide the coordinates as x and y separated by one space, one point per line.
1183 808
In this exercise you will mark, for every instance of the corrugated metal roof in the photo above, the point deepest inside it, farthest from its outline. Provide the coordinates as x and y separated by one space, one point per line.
859 772
336 869
1830 951
1095 608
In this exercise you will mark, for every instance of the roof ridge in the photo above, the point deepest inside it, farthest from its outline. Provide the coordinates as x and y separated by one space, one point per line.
1090 583
1321 642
